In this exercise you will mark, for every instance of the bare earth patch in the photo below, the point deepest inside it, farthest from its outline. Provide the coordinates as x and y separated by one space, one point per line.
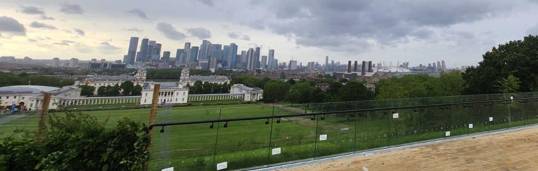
516 150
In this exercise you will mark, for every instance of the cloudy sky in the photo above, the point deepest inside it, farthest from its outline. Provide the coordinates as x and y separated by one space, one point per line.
418 31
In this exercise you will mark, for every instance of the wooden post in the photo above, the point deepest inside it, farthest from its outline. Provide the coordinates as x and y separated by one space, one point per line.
42 127
154 103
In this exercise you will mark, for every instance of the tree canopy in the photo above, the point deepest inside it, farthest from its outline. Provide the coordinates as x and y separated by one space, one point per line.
517 58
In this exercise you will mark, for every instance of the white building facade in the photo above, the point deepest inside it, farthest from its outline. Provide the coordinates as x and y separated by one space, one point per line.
170 93
30 97
250 94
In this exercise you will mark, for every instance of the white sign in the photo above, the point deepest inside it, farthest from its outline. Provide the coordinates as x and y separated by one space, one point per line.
447 133
471 126
395 115
344 129
222 166
491 119
276 151
168 169
323 137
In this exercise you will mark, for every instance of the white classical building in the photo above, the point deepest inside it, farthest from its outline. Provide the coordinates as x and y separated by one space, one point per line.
187 79
111 80
251 94
170 93
30 97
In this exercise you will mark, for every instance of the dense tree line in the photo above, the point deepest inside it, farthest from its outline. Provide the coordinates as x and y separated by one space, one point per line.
510 67
173 73
77 141
126 88
9 79
208 88
304 91
448 84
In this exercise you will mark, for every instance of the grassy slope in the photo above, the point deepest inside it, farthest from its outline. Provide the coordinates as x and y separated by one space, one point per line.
246 143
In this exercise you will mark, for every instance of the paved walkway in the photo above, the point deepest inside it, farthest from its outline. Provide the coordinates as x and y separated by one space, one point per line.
9 118
510 150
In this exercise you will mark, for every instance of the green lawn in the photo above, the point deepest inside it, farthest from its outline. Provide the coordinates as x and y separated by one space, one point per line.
249 143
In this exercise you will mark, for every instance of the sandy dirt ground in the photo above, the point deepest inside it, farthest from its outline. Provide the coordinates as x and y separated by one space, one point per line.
506 151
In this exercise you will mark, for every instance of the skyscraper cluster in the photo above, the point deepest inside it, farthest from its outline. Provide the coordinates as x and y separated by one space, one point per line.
207 56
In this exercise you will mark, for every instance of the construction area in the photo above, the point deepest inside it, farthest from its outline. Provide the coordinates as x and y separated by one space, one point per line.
512 149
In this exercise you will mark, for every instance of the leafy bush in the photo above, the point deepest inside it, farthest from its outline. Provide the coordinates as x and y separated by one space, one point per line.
77 141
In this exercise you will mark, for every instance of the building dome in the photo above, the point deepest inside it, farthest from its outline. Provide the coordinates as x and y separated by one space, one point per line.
26 89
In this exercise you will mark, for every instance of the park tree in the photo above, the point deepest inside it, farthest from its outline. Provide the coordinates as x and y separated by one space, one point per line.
517 58
137 90
410 86
127 88
353 91
86 90
102 91
509 84
275 91
76 141
300 92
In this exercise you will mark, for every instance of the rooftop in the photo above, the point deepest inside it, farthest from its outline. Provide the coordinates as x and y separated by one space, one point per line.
26 89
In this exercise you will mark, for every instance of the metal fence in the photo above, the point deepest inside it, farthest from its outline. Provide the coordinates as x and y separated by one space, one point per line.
294 132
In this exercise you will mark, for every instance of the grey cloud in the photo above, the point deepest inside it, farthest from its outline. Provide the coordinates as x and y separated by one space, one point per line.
138 13
200 33
65 43
79 32
32 10
245 37
533 30
12 26
234 35
134 29
44 17
107 47
71 9
36 24
337 24
169 31
207 2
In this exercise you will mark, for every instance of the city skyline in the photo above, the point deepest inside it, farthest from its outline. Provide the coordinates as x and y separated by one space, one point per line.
460 33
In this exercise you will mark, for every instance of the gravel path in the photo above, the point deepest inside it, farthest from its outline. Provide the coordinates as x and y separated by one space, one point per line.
513 149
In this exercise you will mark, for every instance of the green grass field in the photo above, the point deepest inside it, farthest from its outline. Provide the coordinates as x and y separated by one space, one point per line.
249 143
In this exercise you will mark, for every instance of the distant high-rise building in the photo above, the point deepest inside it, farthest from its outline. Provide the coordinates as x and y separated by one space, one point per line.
370 67
193 56
233 55
257 58
271 61
355 66
216 55
131 52
363 68
187 52
348 66
292 65
166 56
263 64
141 55
156 52
179 57
443 65
250 59
242 60
205 48
152 47
326 63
